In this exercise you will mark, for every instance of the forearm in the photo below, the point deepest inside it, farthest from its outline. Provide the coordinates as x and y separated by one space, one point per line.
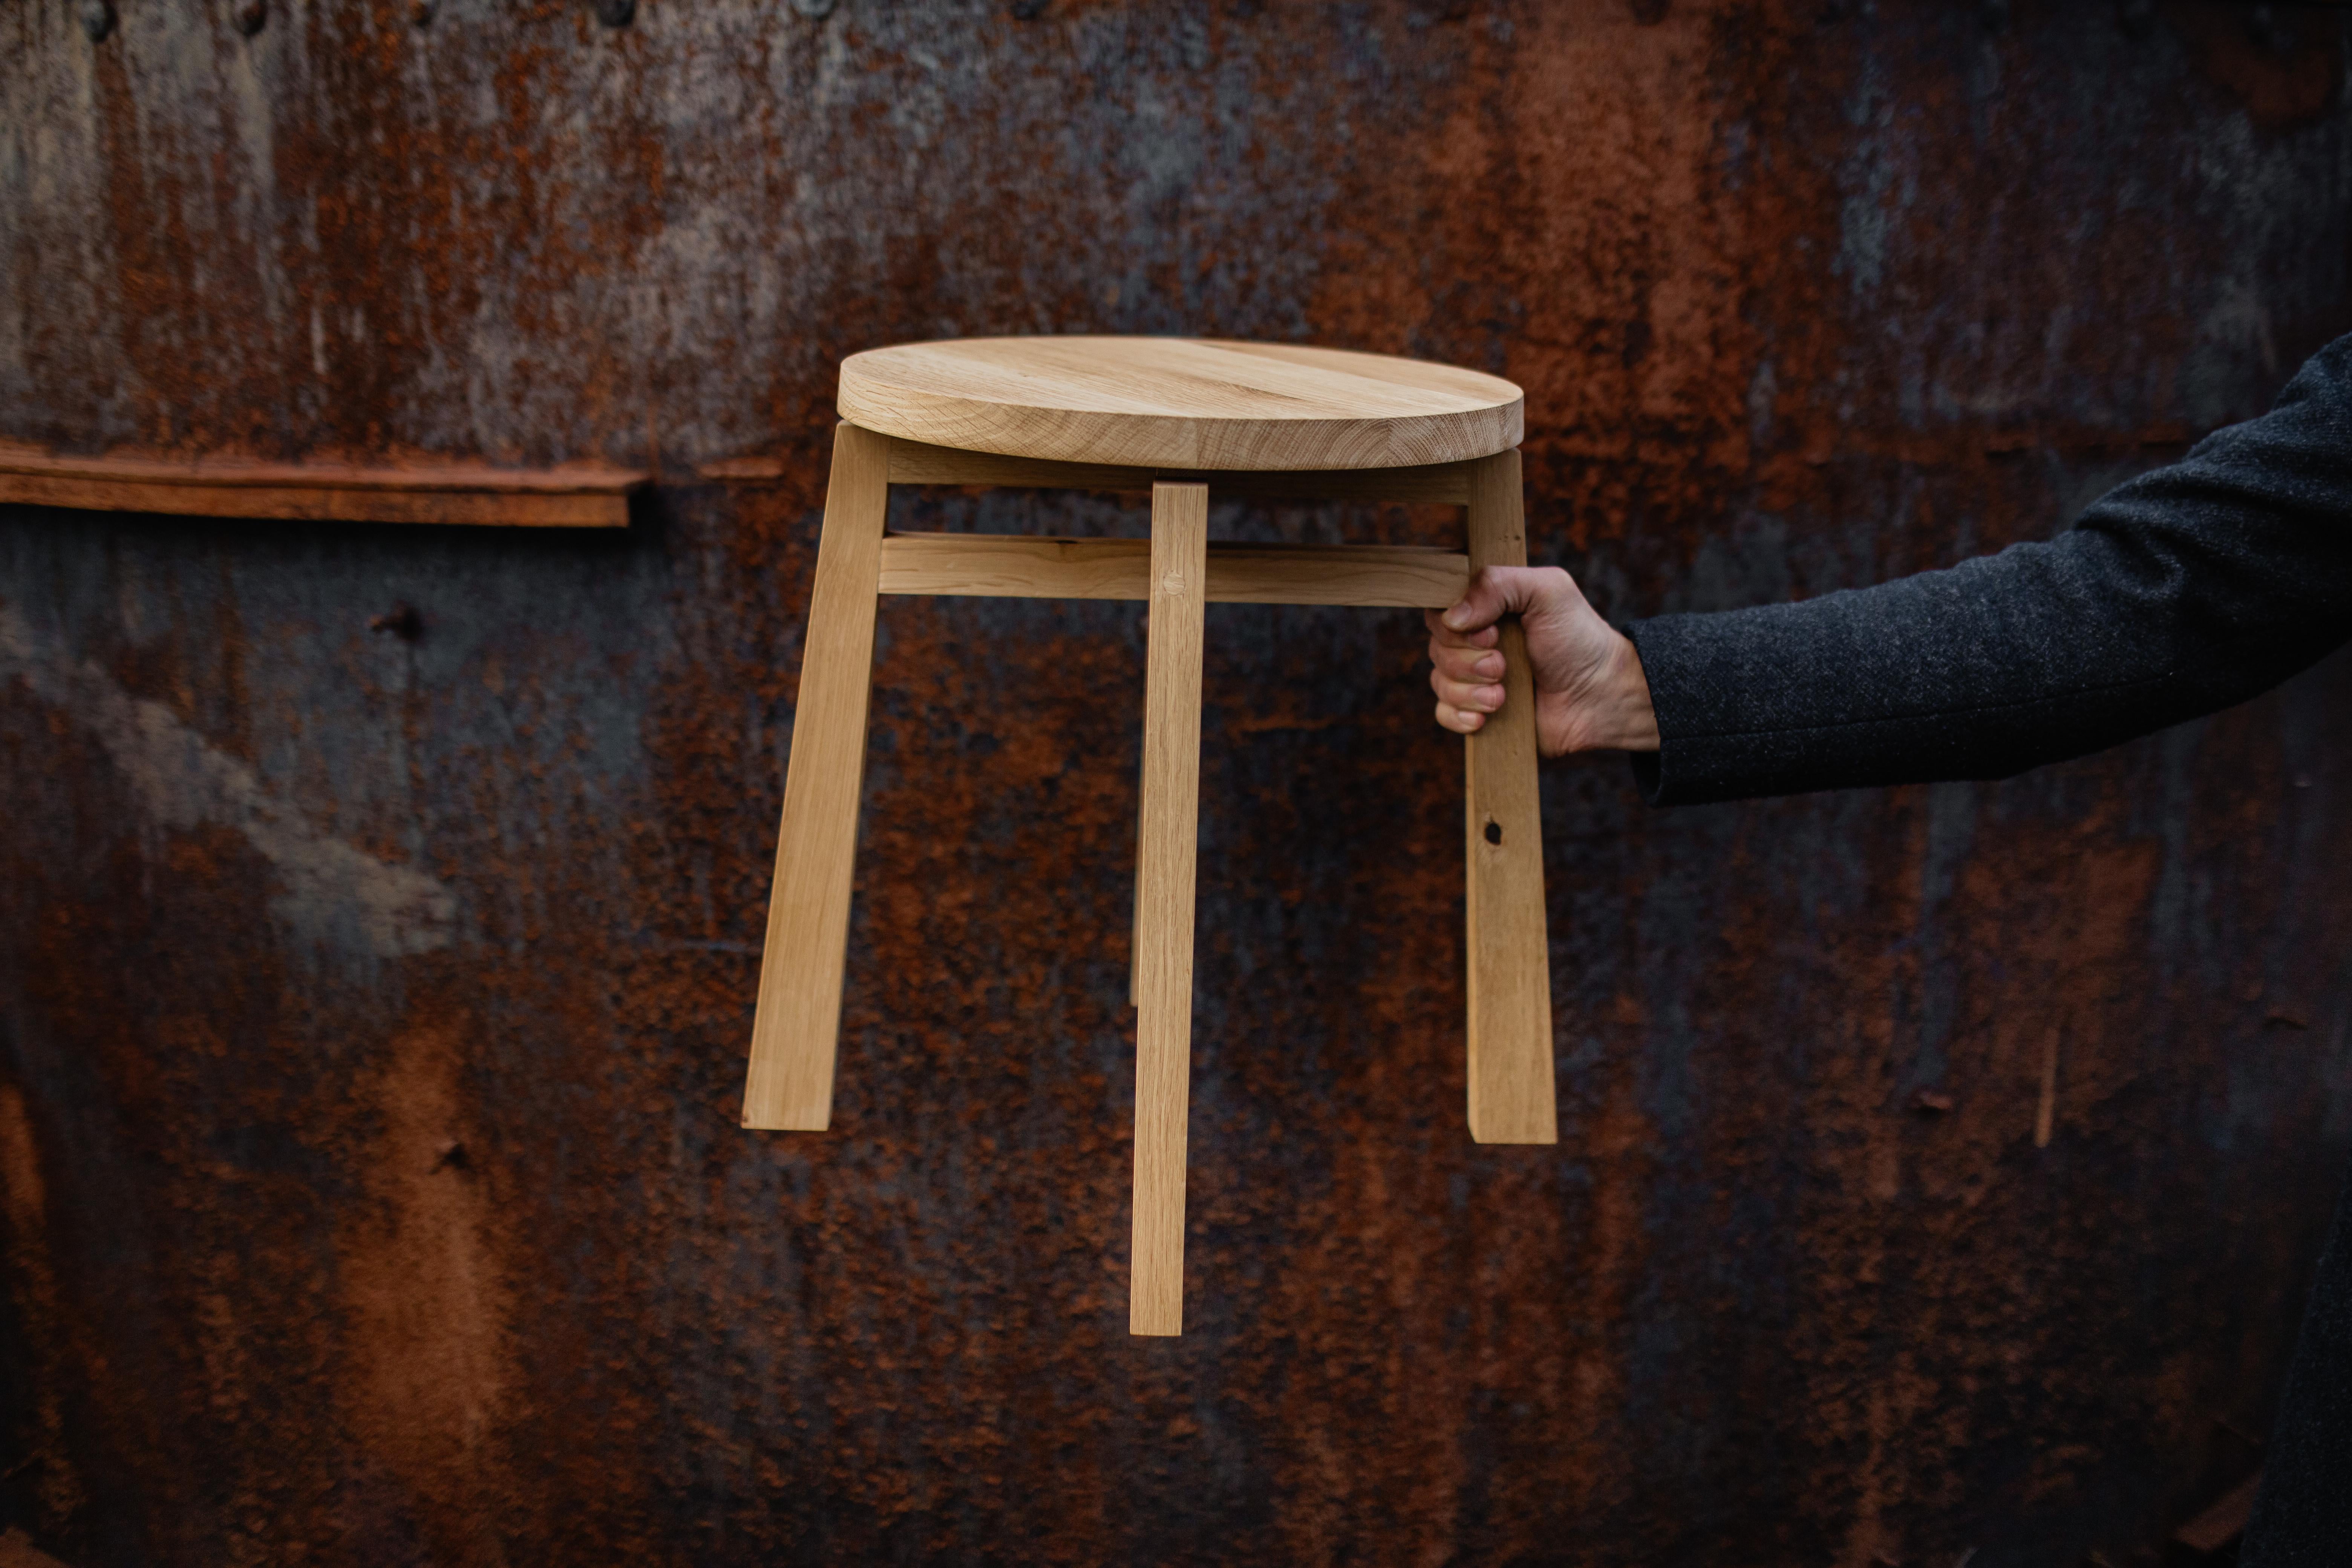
2185 590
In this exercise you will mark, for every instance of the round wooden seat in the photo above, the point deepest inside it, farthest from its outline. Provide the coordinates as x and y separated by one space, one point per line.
1180 403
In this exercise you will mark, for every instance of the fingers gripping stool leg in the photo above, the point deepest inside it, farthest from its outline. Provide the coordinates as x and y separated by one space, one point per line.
799 1016
1163 962
1511 1099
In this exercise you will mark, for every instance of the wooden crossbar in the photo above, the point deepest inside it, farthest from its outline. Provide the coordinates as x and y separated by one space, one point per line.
1026 566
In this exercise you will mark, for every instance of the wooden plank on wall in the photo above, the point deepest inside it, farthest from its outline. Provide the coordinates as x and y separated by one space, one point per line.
570 496
1026 567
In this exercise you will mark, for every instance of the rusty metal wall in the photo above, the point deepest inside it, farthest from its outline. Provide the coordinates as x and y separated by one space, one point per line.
372 1006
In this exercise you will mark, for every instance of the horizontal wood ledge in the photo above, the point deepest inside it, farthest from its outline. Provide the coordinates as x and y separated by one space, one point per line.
572 496
1019 566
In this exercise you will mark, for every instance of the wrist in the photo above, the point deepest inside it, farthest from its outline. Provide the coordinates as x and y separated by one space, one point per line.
1627 721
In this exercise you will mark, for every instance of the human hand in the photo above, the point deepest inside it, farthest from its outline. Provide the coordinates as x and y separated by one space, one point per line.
1590 693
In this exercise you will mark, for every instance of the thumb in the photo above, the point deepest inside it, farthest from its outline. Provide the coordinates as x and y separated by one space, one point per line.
1492 593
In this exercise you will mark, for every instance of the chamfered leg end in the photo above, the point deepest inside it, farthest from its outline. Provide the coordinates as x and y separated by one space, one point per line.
769 1117
1520 1135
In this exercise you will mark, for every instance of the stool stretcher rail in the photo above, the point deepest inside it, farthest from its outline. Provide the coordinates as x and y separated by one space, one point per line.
1025 566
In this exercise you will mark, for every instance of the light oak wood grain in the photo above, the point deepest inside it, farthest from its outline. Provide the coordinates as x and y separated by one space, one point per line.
1170 837
420 491
1511 1092
915 463
1180 403
1026 566
790 1082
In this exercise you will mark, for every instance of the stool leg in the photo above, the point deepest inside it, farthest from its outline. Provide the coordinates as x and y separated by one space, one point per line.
1511 1099
791 1081
1163 966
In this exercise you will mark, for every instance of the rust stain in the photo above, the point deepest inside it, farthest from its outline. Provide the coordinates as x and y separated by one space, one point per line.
41 1451
425 1300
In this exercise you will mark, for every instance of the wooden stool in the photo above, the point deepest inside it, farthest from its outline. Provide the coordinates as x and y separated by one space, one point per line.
1174 417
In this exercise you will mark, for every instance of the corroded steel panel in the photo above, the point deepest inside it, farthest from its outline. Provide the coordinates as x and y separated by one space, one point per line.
379 908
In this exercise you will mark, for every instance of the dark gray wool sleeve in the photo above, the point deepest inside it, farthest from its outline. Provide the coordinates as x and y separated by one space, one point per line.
2181 591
